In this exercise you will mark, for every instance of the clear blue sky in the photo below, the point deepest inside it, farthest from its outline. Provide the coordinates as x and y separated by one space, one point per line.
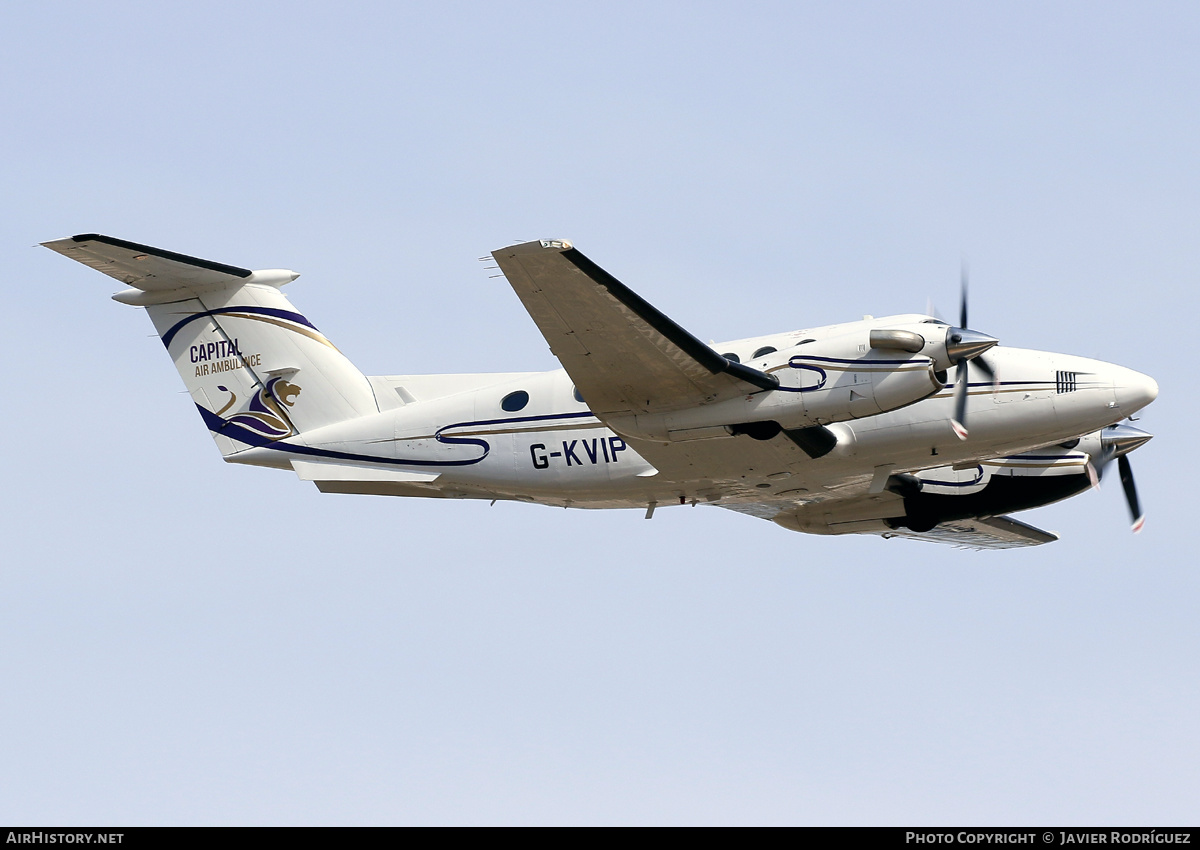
184 641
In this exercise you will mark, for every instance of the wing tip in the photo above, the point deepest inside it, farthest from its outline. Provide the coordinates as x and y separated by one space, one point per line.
537 246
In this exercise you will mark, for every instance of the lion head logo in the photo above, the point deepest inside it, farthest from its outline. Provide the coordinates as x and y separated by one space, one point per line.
283 391
265 414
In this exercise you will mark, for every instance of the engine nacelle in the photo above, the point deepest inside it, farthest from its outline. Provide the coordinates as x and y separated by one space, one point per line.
833 380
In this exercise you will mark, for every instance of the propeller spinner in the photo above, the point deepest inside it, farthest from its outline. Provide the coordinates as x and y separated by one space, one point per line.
1117 441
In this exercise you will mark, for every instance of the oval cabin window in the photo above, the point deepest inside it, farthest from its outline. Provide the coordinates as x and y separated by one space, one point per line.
514 401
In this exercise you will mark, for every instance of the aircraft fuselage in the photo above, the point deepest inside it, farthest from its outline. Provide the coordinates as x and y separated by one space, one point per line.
554 451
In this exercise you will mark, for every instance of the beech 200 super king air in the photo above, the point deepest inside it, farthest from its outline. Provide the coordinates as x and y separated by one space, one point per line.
852 428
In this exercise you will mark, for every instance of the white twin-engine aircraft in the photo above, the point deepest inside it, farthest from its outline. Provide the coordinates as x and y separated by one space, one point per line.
852 428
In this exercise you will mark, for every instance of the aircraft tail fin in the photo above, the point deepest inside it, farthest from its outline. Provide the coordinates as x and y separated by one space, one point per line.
257 370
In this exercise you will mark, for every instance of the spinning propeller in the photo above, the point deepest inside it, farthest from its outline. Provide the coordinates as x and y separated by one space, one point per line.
1117 441
962 346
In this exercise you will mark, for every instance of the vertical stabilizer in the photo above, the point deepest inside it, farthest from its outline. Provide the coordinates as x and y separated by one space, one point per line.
257 370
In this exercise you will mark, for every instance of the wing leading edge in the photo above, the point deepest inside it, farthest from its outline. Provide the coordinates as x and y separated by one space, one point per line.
624 355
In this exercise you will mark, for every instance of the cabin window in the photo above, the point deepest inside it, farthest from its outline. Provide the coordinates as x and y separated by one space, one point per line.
578 396
515 401
732 358
766 349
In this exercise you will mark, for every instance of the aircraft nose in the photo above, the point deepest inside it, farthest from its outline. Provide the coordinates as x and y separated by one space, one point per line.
1133 390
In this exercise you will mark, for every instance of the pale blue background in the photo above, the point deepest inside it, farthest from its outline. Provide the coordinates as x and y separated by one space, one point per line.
183 641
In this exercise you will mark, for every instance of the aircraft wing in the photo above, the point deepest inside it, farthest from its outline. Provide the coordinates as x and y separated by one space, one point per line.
143 267
998 532
623 354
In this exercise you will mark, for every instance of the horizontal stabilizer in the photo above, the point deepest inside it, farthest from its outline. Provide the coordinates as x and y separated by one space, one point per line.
143 267
316 471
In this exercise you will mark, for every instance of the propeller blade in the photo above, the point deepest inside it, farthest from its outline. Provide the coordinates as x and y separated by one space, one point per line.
959 422
962 343
962 318
1135 509
988 370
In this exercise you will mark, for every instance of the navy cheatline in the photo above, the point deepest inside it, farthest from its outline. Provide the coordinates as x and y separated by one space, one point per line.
263 311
